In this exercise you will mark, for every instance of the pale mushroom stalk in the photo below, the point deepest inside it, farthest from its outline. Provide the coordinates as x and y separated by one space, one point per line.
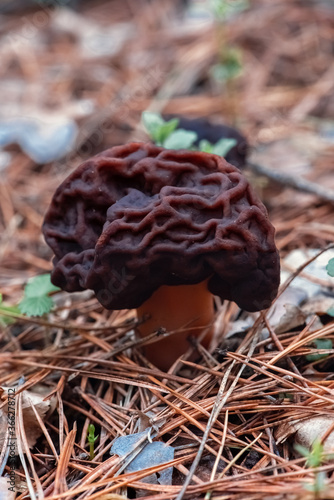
188 309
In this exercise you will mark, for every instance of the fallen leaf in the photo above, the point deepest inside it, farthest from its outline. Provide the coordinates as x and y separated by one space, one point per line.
29 398
308 280
320 304
292 318
307 431
277 315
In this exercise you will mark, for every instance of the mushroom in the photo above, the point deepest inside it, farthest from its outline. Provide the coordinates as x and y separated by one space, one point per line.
163 231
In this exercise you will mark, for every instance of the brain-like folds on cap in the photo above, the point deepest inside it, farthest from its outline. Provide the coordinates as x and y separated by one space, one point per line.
136 217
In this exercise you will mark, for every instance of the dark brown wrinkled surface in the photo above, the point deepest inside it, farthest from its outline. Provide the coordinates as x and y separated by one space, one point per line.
136 217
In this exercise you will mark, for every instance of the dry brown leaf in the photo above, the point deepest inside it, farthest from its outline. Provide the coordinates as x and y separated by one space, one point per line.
292 296
319 305
29 399
308 430
292 318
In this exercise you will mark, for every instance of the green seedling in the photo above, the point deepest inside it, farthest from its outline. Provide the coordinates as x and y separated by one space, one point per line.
166 134
315 456
9 313
229 65
221 147
224 9
36 300
91 438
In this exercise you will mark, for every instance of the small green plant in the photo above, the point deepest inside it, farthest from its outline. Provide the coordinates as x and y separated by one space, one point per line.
9 313
91 438
229 58
315 456
221 147
224 9
166 134
229 65
36 300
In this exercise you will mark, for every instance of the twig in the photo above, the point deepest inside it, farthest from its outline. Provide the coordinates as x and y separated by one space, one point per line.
291 181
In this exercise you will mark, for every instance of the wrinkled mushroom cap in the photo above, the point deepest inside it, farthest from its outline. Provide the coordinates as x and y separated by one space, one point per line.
137 216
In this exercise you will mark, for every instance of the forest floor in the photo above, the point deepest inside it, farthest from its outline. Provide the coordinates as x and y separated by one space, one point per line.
74 81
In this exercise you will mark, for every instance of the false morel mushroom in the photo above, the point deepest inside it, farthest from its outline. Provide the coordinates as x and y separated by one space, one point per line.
162 231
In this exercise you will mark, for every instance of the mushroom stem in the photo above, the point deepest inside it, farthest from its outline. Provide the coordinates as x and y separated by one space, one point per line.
188 307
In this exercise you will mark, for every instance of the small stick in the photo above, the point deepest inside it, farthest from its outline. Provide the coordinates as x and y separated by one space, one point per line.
296 183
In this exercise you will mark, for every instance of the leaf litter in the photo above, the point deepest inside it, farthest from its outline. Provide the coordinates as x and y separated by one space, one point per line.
233 417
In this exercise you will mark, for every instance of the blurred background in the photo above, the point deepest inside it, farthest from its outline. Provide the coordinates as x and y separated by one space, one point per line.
76 75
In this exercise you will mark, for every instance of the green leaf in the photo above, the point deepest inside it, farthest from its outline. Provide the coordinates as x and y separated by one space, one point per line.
39 286
91 438
91 434
223 146
6 320
224 9
315 458
320 344
302 450
229 65
205 146
223 72
36 306
152 123
158 129
330 268
316 455
36 301
331 311
180 139
167 129
319 483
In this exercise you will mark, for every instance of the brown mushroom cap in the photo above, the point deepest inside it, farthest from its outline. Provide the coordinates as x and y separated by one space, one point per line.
138 216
